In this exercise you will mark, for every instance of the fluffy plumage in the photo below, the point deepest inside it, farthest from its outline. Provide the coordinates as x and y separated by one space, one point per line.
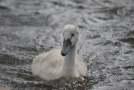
52 64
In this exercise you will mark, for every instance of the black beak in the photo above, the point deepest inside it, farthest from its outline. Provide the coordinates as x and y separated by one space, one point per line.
66 47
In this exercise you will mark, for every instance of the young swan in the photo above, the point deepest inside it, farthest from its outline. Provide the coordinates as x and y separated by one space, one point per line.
52 65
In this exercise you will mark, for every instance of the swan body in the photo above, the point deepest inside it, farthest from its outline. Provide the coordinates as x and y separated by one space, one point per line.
61 63
4 88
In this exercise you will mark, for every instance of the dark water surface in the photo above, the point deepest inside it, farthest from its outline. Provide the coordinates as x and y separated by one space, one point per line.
29 27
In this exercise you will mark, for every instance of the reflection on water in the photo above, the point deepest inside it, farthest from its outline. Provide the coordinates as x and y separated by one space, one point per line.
29 27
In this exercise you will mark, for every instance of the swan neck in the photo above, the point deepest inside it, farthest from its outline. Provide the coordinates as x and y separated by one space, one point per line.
68 67
70 57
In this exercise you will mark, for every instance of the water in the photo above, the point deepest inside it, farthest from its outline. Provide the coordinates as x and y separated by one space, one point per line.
29 27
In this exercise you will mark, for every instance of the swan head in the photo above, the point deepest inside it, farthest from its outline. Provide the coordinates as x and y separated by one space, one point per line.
70 38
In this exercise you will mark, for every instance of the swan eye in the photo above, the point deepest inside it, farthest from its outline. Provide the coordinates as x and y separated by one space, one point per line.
72 34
